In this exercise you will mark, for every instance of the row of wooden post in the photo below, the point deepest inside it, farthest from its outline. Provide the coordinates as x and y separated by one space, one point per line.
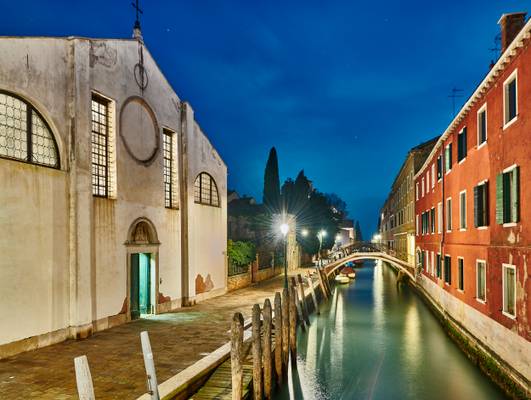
271 363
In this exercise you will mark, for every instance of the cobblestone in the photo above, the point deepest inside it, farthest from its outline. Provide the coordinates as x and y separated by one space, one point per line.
178 340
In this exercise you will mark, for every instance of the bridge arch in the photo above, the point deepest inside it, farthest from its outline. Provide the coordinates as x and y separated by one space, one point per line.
377 255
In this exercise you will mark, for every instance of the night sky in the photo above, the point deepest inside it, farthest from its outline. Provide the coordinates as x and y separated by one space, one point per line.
343 90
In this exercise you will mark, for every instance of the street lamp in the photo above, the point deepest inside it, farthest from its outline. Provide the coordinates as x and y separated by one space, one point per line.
284 229
320 235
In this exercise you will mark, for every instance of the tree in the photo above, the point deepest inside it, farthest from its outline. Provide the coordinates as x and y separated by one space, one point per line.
271 195
359 237
339 205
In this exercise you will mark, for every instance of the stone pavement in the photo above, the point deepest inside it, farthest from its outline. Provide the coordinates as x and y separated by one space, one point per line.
178 340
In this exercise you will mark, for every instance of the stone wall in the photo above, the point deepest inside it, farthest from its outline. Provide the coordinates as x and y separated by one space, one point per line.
506 348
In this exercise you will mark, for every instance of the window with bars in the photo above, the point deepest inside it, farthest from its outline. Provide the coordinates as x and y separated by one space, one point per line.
168 149
205 190
24 134
100 146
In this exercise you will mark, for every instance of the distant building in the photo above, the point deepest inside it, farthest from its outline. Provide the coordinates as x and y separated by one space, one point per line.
397 222
473 208
113 200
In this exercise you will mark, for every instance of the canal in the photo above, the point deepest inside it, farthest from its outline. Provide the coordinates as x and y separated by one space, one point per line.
374 340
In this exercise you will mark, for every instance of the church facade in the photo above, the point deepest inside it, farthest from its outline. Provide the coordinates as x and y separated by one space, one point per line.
113 201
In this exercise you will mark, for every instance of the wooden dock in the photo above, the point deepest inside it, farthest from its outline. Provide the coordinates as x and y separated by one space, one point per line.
219 385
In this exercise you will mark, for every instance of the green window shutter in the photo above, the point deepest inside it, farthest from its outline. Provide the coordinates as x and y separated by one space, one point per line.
515 195
477 212
499 199
485 202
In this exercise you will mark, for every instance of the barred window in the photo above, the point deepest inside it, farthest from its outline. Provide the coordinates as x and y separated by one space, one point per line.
24 134
205 190
170 194
100 146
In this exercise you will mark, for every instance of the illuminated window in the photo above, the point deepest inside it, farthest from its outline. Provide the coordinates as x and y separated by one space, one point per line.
168 150
205 190
24 134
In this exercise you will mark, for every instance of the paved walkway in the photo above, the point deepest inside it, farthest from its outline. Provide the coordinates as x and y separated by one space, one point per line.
115 357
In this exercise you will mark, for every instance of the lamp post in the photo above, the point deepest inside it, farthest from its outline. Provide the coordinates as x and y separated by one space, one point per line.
284 229
320 236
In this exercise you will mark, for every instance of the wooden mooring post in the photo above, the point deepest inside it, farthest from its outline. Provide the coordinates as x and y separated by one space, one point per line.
149 363
85 389
278 337
257 353
305 312
285 329
312 293
298 304
236 356
266 349
293 325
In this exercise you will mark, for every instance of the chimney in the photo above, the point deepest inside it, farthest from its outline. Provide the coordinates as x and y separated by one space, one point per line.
510 25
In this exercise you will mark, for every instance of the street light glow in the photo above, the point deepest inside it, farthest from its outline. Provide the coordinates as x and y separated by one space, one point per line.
284 228
304 232
322 233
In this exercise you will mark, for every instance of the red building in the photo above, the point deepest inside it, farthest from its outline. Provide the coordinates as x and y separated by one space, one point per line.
473 207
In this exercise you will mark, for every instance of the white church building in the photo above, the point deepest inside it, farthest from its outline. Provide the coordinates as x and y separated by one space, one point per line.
113 201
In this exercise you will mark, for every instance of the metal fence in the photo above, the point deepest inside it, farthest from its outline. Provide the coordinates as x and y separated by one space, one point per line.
235 269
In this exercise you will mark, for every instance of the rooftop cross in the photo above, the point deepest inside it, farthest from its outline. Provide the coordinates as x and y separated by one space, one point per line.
138 11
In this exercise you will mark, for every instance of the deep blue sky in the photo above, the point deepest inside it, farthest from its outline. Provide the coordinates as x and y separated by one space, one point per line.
342 90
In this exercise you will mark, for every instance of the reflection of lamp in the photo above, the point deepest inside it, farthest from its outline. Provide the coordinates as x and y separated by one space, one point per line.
284 229
304 232
338 237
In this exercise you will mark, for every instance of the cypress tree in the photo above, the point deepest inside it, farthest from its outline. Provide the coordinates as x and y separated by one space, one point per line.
271 195
359 237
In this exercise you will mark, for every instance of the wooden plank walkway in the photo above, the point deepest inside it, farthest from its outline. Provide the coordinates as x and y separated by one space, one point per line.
219 386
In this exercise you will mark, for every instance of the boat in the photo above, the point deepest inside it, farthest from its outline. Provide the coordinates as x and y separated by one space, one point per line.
342 279
348 272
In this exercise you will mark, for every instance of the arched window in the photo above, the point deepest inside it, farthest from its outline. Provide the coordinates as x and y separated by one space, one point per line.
205 190
24 134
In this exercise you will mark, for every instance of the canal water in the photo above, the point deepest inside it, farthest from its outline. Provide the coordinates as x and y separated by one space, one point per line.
376 341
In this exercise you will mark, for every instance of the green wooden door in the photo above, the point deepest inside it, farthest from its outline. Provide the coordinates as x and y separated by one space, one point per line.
134 294
144 294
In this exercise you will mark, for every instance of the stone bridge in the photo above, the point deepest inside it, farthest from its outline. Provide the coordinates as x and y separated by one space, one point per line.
371 253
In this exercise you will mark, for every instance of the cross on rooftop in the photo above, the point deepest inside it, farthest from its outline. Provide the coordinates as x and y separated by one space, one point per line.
138 11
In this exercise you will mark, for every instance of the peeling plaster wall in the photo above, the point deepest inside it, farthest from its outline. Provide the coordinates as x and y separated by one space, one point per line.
207 225
75 270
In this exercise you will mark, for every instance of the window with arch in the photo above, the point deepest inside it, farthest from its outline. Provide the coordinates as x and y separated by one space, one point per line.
205 190
24 134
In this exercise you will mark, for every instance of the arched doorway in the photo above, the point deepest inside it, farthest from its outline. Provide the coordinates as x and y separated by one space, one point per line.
142 268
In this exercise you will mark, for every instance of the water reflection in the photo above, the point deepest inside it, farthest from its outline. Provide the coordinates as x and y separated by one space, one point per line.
374 340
